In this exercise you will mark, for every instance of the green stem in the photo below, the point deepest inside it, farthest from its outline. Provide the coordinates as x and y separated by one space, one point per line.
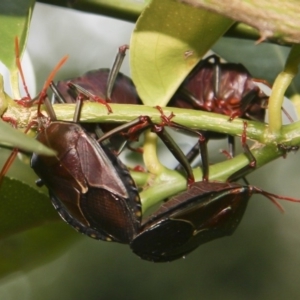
166 186
169 182
280 86
275 18
128 10
282 82
94 112
151 160
97 113
140 178
293 60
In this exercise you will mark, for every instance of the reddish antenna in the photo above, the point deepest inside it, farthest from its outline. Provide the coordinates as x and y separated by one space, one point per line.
48 82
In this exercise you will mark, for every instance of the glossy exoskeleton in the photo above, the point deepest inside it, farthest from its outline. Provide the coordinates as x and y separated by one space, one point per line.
108 84
89 186
93 192
95 82
205 211
224 88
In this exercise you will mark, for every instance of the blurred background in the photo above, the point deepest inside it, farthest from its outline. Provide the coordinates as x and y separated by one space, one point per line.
260 261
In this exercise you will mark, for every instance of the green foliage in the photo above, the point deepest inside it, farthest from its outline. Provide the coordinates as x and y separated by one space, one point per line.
14 22
33 247
22 213
176 38
14 138
169 39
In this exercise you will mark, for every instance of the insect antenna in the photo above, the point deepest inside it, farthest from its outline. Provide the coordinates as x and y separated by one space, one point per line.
48 82
273 197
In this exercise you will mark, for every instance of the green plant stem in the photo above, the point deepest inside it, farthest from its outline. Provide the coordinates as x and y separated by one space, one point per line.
131 10
128 10
293 60
282 82
140 178
244 31
151 160
276 18
175 182
169 182
97 113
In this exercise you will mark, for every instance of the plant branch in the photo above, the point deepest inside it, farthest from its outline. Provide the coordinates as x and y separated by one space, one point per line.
128 10
97 113
282 82
175 183
165 182
151 160
131 10
276 18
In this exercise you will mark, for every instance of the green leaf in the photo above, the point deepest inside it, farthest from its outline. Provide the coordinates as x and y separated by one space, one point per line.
168 41
21 170
23 207
14 22
30 226
24 251
14 138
